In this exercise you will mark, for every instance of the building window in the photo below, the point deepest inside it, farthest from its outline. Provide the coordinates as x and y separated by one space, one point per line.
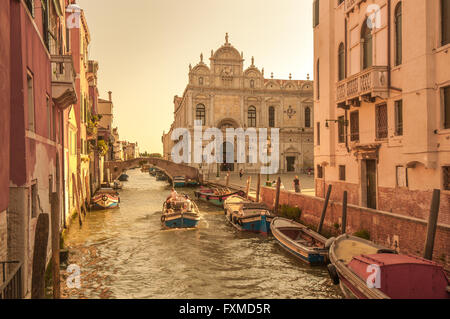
30 90
34 199
399 118
381 121
251 116
49 118
45 23
316 7
308 117
318 133
252 84
54 123
445 19
401 175
342 172
398 34
271 116
446 175
354 126
341 131
200 114
30 6
341 62
319 171
366 41
446 98
318 79
200 81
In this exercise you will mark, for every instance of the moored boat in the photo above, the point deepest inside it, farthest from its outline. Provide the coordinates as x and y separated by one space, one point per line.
179 181
248 216
216 196
161 177
365 270
300 241
180 212
106 199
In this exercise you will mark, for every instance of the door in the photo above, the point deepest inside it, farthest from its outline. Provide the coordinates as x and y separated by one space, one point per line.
290 163
371 180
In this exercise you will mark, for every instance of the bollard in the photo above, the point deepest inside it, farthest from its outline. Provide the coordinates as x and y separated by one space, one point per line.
344 213
324 211
432 224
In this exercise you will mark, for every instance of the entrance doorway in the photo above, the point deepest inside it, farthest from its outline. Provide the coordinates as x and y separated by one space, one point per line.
228 157
290 163
371 183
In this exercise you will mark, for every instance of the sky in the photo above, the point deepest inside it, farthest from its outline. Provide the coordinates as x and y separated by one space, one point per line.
144 48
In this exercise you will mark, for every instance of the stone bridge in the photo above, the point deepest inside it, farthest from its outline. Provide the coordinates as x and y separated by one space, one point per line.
172 169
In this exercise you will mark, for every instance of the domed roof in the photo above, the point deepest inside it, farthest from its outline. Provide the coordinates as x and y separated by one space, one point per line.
227 52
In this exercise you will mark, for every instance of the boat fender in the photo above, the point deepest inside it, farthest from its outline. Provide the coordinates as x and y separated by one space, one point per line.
329 242
163 219
104 198
386 251
333 274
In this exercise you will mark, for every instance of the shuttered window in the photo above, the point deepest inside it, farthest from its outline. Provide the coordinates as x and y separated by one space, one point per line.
446 96
381 121
399 118
354 126
341 131
446 173
445 17
316 6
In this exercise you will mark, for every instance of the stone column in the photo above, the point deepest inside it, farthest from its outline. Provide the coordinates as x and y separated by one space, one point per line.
190 110
211 115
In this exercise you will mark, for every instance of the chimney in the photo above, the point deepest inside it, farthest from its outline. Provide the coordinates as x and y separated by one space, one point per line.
110 96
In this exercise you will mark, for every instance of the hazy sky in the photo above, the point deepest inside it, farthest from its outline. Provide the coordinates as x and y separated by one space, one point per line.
144 48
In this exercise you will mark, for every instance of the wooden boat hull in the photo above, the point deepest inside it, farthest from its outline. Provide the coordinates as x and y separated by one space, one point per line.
105 201
216 200
179 220
257 224
280 227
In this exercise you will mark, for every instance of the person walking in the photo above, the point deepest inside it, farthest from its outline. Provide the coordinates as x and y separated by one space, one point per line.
297 184
241 173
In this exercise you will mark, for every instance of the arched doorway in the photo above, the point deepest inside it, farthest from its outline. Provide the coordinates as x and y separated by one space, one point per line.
228 157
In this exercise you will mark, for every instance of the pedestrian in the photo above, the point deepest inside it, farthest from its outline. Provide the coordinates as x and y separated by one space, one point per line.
241 173
297 184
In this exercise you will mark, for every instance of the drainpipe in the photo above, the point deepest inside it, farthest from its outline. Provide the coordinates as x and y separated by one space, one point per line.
389 46
63 169
345 74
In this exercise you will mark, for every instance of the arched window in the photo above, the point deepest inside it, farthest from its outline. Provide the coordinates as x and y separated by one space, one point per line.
366 41
200 114
341 62
200 81
251 116
271 116
398 34
252 84
308 117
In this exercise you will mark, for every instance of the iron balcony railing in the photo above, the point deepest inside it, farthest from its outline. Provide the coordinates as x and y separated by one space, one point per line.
11 284
371 81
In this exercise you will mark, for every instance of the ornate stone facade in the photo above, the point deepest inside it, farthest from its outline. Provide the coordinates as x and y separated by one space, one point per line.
224 94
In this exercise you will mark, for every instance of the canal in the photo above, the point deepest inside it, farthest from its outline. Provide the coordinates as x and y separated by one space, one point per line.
124 253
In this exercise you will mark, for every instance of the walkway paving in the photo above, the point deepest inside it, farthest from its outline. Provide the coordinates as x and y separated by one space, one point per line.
306 181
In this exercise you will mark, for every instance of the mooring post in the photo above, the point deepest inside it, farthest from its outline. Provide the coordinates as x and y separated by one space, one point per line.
55 246
247 191
40 257
432 224
324 211
88 189
80 189
277 196
258 188
344 213
227 180
75 194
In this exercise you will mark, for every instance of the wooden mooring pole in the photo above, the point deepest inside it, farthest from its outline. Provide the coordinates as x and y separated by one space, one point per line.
40 257
432 225
77 198
258 188
80 189
344 213
227 180
277 196
247 191
324 210
55 246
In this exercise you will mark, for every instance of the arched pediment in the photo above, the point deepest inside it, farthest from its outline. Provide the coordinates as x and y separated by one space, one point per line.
252 72
272 85
290 85
227 122
201 69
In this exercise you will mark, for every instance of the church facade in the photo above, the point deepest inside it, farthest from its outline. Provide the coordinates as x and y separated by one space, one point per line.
225 95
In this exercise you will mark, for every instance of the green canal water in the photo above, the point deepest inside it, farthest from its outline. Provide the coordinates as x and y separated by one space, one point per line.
124 253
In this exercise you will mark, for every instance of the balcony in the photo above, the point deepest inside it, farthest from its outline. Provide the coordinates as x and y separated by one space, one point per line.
367 84
63 81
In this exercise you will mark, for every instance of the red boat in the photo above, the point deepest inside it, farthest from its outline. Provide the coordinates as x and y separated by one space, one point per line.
365 270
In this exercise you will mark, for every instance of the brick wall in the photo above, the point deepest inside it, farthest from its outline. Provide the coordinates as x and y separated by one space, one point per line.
385 228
